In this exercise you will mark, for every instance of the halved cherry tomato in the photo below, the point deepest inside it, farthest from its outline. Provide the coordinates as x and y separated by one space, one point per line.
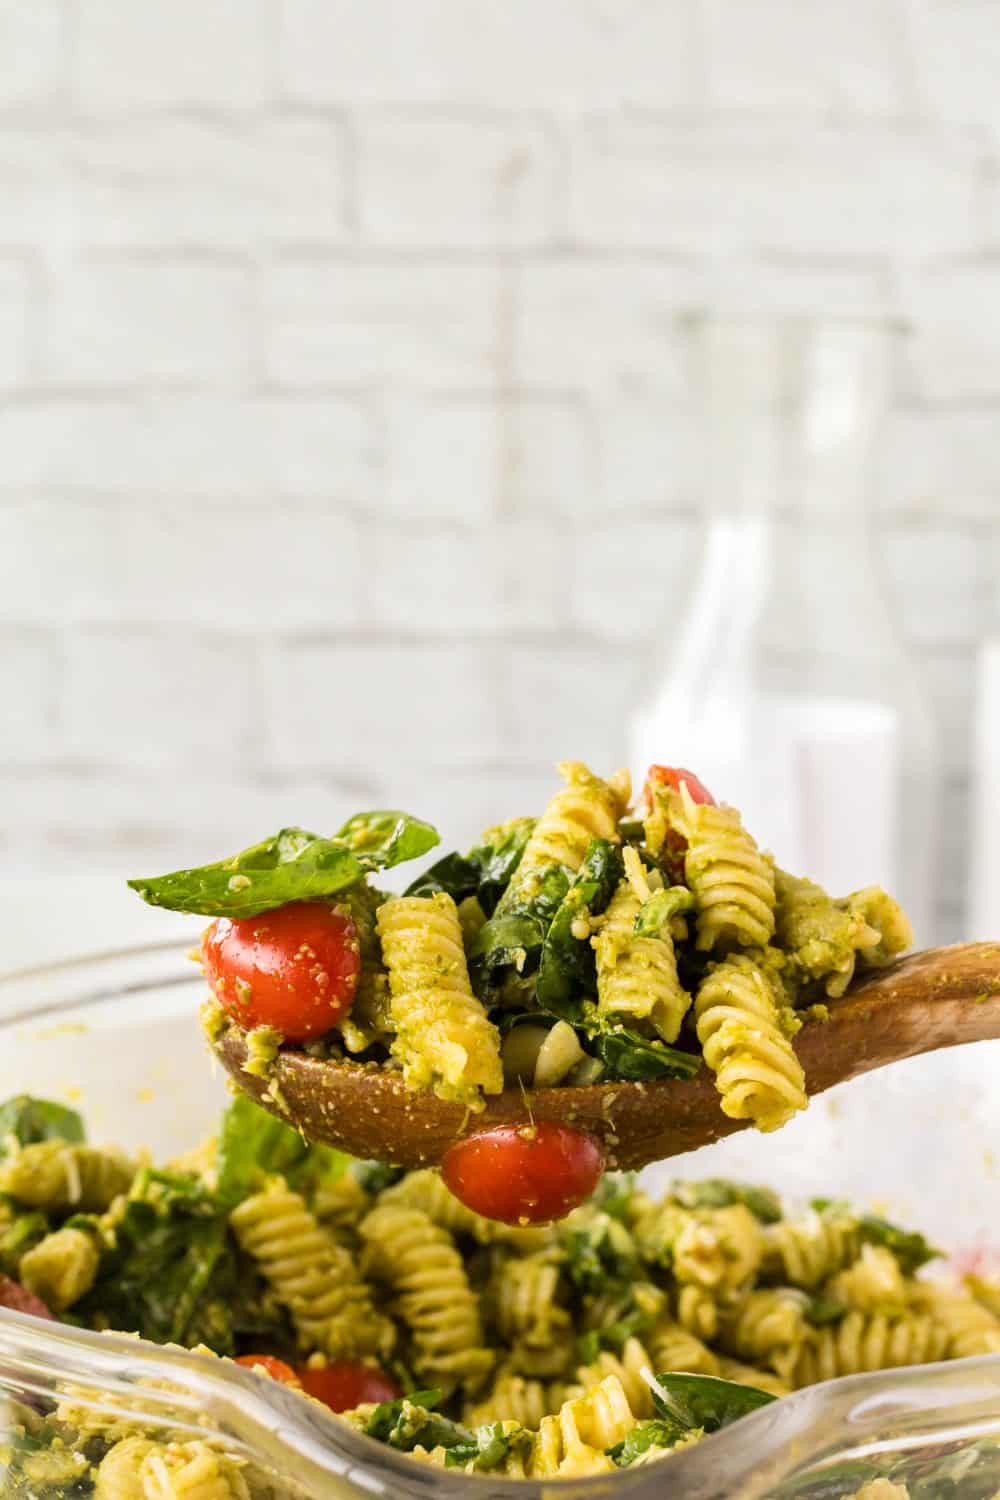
673 776
344 1384
19 1299
524 1173
295 968
276 1368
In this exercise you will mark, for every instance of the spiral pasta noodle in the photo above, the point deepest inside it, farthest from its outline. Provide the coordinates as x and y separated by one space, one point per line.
443 1038
526 1301
63 1178
739 1025
697 1311
969 1327
732 882
806 1251
861 1342
313 1276
139 1469
586 808
575 1441
626 1368
637 976
419 1262
873 1283
515 1398
718 1248
769 1327
673 1347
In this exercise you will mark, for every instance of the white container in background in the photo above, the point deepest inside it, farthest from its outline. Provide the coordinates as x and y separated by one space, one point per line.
781 679
984 831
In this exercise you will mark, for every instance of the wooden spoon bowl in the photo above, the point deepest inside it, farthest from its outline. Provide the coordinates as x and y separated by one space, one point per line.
938 998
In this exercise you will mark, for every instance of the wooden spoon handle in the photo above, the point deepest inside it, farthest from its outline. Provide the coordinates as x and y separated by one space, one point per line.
939 998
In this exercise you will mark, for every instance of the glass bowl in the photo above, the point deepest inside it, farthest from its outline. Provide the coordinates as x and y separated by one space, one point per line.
116 1035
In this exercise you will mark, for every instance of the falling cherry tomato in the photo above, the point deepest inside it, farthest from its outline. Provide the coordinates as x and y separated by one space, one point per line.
524 1173
276 1368
295 968
343 1384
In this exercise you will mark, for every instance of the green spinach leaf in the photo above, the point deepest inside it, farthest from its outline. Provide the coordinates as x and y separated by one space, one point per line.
455 874
627 1055
488 1448
484 872
31 1120
566 971
387 837
252 1142
703 1401
909 1247
718 1192
294 865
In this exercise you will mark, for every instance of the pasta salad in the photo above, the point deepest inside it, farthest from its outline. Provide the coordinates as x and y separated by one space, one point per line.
629 1330
598 941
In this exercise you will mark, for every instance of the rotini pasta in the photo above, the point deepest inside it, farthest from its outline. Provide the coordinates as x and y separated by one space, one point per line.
637 976
806 1251
311 1274
576 1440
443 1038
861 1341
61 1178
873 1283
421 1265
586 808
743 1030
732 882
525 1295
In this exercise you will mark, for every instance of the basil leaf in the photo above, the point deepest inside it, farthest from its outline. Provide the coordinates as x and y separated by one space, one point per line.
644 1435
704 1401
253 1143
31 1120
717 1192
567 970
387 837
292 866
506 940
909 1247
626 1055
655 913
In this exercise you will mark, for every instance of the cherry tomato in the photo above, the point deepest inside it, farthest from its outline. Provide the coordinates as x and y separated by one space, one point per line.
19 1299
295 968
524 1173
344 1384
673 776
276 1368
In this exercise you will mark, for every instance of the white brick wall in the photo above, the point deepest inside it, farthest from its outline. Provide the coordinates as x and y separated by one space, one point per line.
346 450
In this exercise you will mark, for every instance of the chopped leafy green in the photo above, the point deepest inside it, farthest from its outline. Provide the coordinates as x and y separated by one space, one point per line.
599 1252
375 1176
294 865
704 1401
484 872
909 1247
252 1143
488 1448
821 1310
506 940
566 971
718 1192
655 913
411 1420
31 1120
627 1055
644 1435
615 1335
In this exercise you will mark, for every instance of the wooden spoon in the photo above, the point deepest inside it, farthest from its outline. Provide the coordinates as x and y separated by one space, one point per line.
938 998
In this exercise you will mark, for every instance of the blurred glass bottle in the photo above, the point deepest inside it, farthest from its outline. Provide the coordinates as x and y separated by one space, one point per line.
781 679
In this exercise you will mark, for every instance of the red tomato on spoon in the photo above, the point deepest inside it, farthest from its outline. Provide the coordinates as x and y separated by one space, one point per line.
295 968
524 1173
